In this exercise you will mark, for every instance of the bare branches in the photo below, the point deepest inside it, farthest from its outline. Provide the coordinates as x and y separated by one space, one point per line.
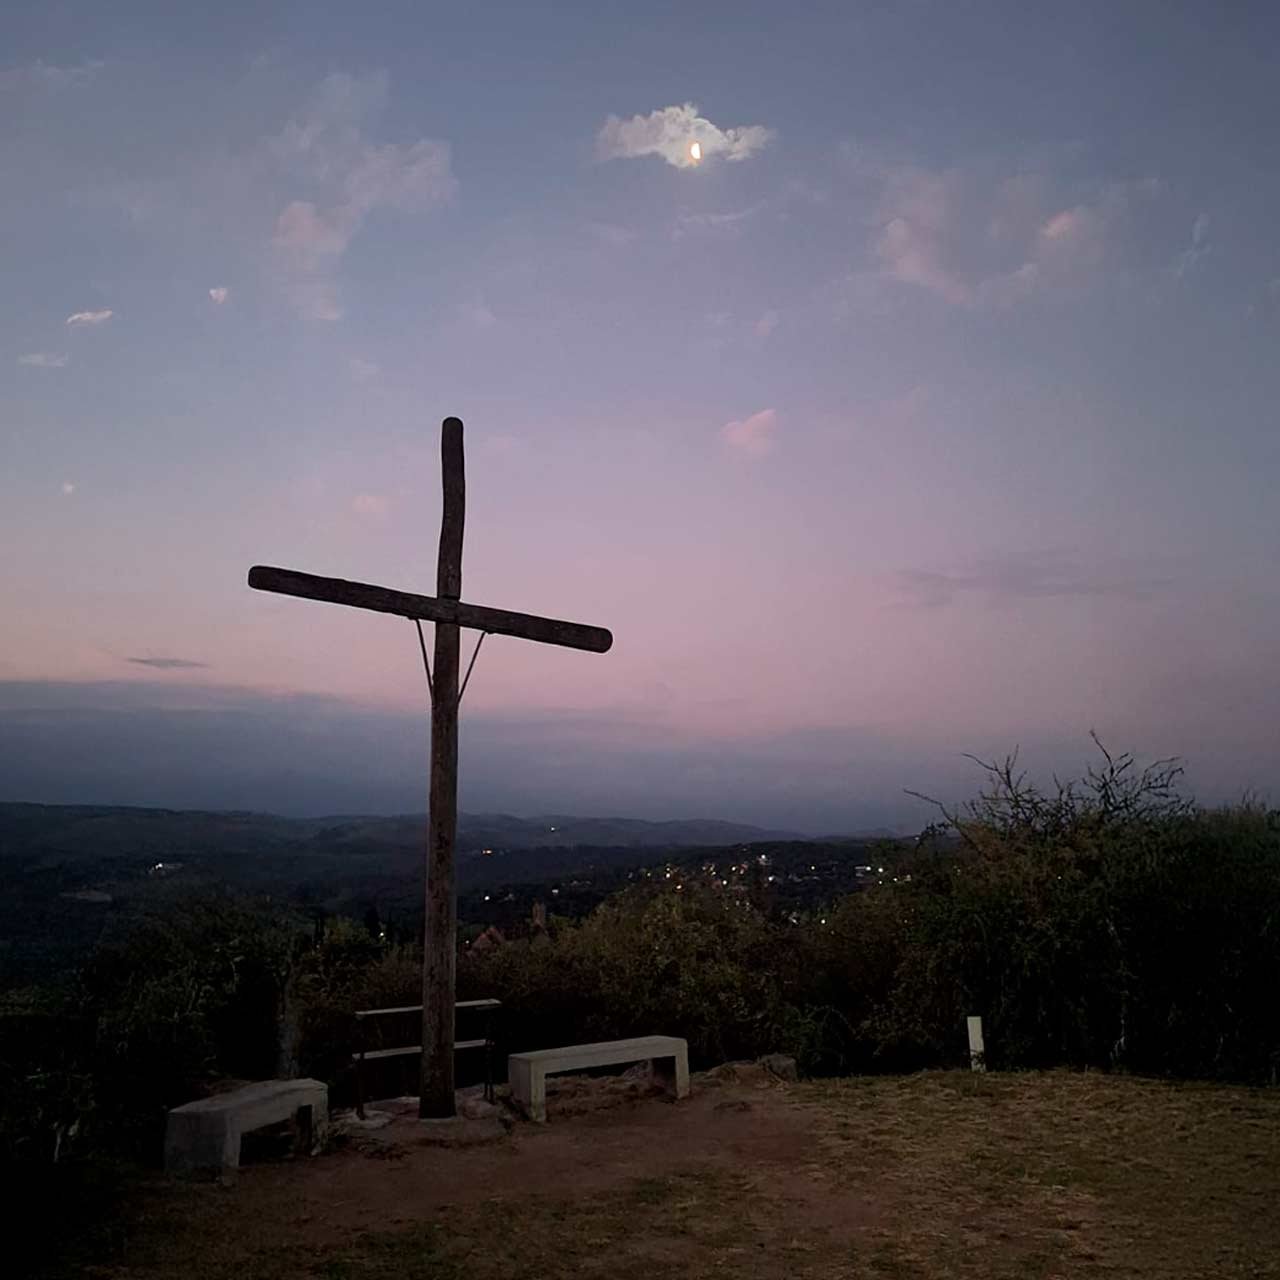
1115 793
952 821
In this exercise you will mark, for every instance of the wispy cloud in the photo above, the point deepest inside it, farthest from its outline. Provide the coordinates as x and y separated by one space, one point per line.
44 360
981 241
1199 246
477 314
504 445
300 193
362 370
728 220
671 133
68 488
325 149
914 244
753 436
41 76
371 504
82 319
613 233
168 664
766 324
1024 576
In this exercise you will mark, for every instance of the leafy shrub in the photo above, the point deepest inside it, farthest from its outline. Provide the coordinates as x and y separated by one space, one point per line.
349 968
182 997
696 963
47 1094
1110 923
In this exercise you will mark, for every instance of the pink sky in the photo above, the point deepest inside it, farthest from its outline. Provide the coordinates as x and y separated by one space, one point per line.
927 412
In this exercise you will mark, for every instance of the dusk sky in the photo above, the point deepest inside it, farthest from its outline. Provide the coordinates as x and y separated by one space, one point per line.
933 410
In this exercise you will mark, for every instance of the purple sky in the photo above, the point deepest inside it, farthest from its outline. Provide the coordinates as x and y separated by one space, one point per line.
933 410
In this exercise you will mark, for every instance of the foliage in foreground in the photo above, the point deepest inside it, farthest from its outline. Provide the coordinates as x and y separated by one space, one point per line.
1107 923
695 962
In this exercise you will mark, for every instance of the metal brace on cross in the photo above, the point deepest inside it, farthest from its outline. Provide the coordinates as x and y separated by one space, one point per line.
450 614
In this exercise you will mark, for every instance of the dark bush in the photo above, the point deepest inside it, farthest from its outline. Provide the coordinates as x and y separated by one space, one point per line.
186 995
692 962
1108 922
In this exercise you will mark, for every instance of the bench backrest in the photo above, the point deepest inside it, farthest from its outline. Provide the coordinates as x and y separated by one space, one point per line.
417 1008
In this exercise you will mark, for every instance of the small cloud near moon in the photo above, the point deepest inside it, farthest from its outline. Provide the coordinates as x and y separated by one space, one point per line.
68 487
220 294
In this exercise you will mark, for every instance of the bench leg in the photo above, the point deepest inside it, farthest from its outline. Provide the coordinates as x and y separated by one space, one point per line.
529 1089
304 1122
230 1165
311 1128
195 1142
674 1073
319 1124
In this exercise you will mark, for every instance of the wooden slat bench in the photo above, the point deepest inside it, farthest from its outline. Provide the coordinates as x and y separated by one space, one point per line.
362 1055
206 1134
528 1072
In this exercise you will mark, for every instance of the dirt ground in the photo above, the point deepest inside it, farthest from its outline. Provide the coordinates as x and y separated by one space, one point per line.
941 1174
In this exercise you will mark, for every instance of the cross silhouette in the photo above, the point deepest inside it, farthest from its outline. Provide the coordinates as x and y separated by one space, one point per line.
450 614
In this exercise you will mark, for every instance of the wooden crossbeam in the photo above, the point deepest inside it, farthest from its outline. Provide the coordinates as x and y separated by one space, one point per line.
406 604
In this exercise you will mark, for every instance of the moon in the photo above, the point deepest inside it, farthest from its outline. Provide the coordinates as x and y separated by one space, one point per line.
695 151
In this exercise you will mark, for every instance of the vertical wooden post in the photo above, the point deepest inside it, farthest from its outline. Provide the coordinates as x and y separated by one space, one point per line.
440 943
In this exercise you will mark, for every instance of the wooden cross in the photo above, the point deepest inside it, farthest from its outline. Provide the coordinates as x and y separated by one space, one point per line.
450 614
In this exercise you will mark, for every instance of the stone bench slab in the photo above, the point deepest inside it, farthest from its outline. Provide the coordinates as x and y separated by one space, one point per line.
206 1134
527 1072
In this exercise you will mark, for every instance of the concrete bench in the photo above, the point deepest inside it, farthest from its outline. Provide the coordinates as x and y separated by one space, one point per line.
206 1134
528 1072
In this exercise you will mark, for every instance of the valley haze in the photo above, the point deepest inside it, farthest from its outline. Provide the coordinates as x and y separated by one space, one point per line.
183 745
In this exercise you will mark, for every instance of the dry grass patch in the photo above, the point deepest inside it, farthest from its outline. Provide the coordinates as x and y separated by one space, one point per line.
1059 1174
697 1222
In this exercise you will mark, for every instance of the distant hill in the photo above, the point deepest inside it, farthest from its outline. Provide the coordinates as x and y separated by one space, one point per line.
71 870
559 830
37 832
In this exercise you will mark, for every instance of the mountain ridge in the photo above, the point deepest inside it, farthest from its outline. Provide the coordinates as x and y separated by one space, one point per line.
30 827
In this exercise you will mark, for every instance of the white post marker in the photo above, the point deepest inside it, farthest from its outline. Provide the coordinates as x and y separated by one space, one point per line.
977 1050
